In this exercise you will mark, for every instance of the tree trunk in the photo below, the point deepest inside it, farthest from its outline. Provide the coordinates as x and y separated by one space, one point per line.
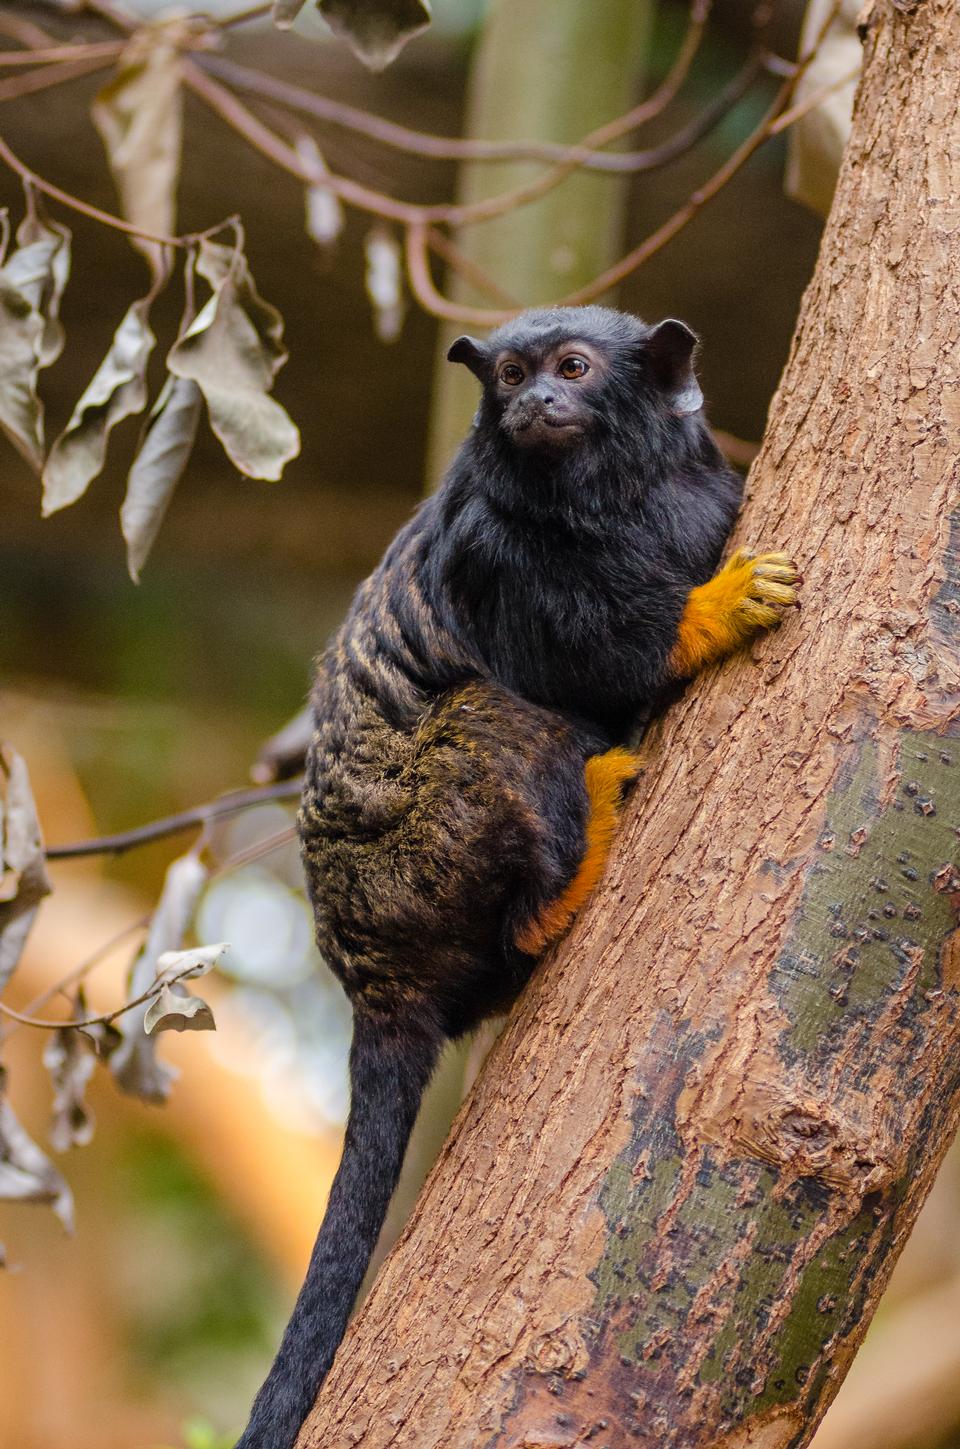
671 1204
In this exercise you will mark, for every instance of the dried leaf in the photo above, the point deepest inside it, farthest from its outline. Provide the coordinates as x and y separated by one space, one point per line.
21 340
384 282
233 351
158 467
285 12
376 30
185 965
176 1010
325 215
134 1063
139 115
23 876
816 142
70 1062
117 390
26 1173
40 269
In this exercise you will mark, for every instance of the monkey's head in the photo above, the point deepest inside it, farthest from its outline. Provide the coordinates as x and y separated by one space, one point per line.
557 378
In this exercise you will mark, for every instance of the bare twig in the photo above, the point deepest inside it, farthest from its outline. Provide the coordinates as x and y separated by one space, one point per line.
106 1018
810 102
24 31
418 266
48 54
106 218
73 977
176 824
44 76
455 148
458 262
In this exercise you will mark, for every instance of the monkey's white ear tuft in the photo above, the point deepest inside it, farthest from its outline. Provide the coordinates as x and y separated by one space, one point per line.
670 348
471 353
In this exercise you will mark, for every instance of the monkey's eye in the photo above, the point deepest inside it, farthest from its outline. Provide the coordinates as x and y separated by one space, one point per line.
572 367
511 374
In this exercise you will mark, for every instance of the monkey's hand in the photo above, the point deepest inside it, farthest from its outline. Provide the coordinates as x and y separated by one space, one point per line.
722 615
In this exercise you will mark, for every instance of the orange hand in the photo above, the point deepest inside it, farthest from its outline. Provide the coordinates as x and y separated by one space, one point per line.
725 613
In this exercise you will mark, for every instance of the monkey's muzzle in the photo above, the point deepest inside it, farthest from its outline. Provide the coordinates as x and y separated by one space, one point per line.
532 423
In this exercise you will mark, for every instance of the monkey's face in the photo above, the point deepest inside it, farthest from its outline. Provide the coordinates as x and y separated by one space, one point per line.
557 379
544 396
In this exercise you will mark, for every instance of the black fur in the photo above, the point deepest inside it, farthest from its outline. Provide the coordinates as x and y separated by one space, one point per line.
514 628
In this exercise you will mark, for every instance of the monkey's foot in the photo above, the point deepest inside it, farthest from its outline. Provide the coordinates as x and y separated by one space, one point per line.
726 612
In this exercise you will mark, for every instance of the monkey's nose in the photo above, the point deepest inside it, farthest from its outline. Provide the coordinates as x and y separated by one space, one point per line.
543 395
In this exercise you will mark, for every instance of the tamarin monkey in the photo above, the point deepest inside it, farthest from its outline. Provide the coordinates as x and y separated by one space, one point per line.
470 718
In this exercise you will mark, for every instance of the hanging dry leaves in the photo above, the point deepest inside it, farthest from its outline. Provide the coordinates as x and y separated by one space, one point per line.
139 115
233 350
70 1060
384 282
376 30
163 455
117 390
134 1062
176 1010
26 1173
325 217
32 280
23 875
40 269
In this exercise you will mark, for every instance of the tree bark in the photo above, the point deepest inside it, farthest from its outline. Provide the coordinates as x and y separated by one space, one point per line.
669 1208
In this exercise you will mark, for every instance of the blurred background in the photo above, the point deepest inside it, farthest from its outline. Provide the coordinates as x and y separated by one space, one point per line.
154 1323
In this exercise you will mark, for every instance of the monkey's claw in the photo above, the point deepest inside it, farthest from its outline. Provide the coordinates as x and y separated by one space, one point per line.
768 582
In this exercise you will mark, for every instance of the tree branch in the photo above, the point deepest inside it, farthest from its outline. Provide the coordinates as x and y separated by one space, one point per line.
176 824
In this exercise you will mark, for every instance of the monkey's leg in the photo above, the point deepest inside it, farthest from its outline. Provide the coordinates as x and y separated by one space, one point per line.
606 777
723 614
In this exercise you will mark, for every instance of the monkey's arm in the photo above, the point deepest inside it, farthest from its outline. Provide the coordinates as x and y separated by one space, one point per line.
723 614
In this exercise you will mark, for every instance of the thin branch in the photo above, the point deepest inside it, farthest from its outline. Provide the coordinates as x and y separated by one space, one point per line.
84 207
269 144
256 851
28 34
176 824
417 258
108 1016
44 76
455 148
458 262
810 102
106 218
430 299
73 977
48 54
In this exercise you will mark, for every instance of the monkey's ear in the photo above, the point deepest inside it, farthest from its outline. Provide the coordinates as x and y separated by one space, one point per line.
471 353
670 348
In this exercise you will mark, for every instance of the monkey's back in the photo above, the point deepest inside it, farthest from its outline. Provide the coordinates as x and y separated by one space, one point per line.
433 822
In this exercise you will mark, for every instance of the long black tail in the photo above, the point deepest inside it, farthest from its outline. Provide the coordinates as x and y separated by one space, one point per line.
390 1065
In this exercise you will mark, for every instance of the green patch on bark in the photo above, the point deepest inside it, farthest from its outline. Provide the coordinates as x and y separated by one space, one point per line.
875 895
724 1258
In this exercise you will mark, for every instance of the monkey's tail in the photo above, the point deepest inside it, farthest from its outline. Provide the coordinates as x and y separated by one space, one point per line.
390 1066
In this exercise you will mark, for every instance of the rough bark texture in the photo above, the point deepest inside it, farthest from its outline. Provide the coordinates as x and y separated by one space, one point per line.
670 1206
